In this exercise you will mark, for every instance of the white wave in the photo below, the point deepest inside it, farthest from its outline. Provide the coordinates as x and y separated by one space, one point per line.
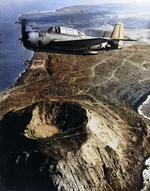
140 109
20 74
146 176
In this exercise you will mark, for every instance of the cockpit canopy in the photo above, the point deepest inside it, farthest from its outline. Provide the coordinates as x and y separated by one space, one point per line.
63 30
54 29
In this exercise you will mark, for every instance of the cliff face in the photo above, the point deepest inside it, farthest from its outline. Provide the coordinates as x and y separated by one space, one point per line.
67 123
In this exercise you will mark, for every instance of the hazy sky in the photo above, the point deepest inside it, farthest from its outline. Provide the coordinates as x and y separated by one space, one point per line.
50 5
106 1
77 2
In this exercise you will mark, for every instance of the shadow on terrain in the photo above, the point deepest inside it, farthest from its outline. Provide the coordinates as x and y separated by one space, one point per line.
23 167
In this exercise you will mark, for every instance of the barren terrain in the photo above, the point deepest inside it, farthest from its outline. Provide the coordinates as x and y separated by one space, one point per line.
75 113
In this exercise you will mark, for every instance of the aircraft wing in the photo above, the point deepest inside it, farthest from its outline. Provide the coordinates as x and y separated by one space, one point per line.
80 43
84 43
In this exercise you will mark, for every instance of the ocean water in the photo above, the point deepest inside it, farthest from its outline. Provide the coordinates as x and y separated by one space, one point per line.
102 17
99 17
144 109
12 53
93 20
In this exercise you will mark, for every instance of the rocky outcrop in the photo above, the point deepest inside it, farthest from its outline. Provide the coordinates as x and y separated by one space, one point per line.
67 124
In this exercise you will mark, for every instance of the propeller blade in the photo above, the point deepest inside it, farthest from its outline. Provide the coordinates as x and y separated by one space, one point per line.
23 26
21 40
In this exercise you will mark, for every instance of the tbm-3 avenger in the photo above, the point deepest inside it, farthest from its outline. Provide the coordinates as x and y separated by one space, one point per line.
71 41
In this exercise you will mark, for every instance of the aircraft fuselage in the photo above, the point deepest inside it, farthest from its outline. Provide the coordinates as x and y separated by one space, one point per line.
46 41
70 41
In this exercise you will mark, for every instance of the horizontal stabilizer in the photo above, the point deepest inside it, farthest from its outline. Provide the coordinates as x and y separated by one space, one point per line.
124 39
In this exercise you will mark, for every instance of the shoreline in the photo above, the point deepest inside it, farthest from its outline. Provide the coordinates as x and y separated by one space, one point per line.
20 74
141 101
135 107
62 109
32 107
142 110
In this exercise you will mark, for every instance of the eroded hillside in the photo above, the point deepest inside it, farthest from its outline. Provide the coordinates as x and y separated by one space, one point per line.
68 122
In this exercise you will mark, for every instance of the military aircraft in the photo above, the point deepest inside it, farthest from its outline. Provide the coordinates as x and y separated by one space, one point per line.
71 41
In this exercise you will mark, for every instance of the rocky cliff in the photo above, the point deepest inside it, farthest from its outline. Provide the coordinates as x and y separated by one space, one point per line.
69 124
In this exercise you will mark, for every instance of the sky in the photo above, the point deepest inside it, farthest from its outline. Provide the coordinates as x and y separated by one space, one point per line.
50 5
106 1
77 2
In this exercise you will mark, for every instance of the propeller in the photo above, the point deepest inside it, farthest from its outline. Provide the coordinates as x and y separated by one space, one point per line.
28 37
23 23
23 27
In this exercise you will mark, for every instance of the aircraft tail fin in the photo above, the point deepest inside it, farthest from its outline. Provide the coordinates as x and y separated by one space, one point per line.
118 33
